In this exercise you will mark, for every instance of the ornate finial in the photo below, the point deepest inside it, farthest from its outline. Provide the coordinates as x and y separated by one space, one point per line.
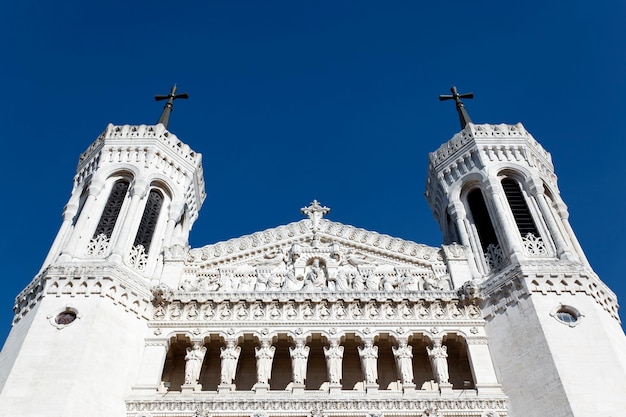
460 108
167 109
315 212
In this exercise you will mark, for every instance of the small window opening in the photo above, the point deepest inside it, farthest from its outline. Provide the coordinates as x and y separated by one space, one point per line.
112 209
149 220
480 214
519 207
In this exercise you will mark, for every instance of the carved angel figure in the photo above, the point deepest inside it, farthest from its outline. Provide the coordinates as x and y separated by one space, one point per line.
299 357
193 363
404 361
438 355
229 356
334 357
264 357
369 358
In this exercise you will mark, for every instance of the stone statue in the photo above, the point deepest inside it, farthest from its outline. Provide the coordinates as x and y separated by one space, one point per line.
193 363
369 358
334 357
299 357
229 356
316 277
438 359
404 355
264 357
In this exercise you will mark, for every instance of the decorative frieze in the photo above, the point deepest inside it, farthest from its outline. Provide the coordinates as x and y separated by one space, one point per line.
321 311
275 404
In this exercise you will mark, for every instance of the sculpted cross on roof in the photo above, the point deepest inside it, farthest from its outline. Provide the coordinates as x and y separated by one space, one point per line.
316 212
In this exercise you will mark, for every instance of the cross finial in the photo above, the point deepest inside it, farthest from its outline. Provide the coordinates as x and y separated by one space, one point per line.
167 109
460 108
315 212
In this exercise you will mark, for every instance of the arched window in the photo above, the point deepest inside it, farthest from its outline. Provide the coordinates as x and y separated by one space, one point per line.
149 220
482 220
519 207
112 209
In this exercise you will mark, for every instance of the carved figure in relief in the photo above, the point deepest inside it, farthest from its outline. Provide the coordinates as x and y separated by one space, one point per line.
188 284
404 361
358 282
408 282
438 355
193 363
247 282
274 259
264 357
343 280
293 282
203 285
192 312
372 282
369 358
334 357
261 281
389 282
229 357
316 276
275 281
299 357
226 281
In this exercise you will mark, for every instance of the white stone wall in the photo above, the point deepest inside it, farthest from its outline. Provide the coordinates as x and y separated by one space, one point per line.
548 368
86 368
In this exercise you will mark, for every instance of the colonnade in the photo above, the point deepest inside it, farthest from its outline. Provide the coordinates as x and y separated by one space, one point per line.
333 364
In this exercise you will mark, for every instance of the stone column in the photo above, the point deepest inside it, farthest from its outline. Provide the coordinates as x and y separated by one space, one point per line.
299 357
369 365
80 228
482 366
508 230
561 246
130 222
403 353
151 368
264 358
334 359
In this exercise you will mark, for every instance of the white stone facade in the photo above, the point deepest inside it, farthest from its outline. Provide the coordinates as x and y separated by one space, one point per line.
315 318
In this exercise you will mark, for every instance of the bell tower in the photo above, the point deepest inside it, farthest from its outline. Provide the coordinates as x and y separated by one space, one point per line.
550 319
136 194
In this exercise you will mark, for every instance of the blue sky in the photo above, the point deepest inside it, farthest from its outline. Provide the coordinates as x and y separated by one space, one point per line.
296 100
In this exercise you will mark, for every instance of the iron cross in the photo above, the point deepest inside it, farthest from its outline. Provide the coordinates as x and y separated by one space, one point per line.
460 108
167 109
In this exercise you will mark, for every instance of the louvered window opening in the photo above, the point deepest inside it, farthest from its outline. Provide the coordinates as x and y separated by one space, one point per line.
519 207
149 220
478 208
112 209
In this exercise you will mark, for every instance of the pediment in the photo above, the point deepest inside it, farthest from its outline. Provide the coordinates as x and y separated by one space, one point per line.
312 255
